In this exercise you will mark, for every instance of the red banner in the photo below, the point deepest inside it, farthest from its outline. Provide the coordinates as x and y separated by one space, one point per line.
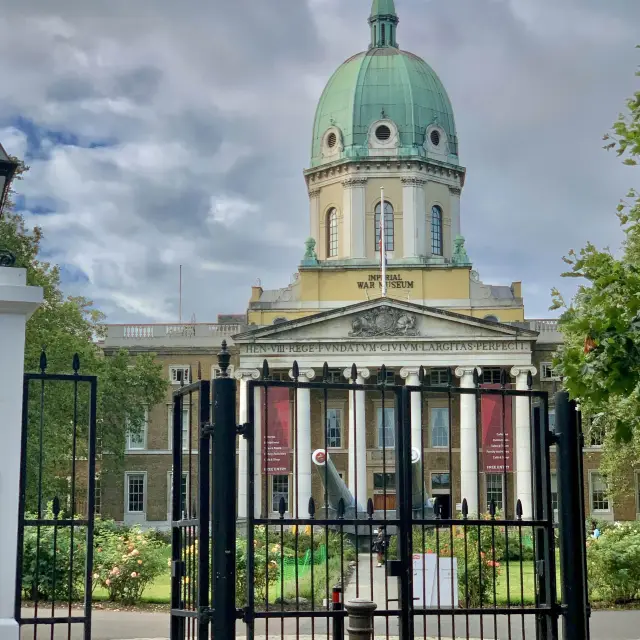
496 441
276 417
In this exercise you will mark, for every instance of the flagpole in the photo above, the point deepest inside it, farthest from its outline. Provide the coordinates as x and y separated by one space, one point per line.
383 245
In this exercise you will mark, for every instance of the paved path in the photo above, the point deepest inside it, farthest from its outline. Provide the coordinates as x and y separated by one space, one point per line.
116 625
120 625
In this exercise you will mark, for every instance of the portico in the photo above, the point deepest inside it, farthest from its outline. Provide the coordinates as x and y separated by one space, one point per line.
404 337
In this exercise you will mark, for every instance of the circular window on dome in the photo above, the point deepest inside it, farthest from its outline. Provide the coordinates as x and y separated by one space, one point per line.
383 133
332 140
435 137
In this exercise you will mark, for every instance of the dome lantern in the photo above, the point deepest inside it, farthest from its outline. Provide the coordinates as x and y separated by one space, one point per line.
384 24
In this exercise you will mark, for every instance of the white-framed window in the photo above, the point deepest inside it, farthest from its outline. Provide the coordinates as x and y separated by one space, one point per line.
186 415
178 373
552 420
279 489
440 481
600 502
334 428
495 489
335 375
184 494
547 373
138 441
491 375
215 371
388 225
281 376
386 427
436 231
332 233
388 378
97 504
439 377
594 432
136 490
384 481
439 423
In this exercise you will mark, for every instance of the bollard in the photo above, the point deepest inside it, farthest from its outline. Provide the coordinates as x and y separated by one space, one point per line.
338 621
360 619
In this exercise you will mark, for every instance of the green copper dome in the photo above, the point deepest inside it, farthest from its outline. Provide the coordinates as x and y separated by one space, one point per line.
378 85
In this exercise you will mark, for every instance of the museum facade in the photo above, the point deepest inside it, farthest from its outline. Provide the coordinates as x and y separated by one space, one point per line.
385 279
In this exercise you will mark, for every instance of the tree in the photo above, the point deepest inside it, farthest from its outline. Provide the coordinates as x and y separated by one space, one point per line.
65 326
600 358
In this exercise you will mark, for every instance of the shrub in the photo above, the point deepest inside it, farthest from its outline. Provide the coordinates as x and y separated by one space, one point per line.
125 562
48 572
613 562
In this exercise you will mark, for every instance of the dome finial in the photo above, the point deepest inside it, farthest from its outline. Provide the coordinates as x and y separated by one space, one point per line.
384 23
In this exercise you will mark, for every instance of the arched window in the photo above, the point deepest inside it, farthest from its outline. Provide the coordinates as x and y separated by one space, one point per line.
383 39
436 230
388 226
332 233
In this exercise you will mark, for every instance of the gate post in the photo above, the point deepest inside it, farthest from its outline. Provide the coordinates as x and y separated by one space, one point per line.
223 511
571 518
17 303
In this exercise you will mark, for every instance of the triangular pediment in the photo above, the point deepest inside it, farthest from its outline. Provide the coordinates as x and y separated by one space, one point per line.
385 319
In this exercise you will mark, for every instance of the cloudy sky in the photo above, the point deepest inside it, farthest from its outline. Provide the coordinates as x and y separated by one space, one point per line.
162 133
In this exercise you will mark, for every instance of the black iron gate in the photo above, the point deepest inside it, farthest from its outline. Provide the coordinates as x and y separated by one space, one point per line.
437 563
57 501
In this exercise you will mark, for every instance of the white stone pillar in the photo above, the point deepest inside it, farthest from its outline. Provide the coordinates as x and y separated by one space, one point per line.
412 215
455 211
523 440
468 441
258 448
244 375
411 375
17 303
357 480
314 210
354 220
302 452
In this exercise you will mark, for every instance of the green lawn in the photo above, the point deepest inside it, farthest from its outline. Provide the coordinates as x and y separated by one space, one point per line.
159 591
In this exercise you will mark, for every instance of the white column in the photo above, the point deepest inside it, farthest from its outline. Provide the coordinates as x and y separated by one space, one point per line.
354 222
314 209
523 441
454 199
412 215
411 375
468 441
17 303
302 453
357 434
258 447
244 375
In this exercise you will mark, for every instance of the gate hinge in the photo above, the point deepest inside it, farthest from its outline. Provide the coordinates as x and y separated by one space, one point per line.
540 568
243 430
246 615
552 438
205 614
177 568
206 430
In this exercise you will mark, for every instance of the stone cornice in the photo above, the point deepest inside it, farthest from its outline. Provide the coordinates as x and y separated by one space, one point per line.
413 182
354 182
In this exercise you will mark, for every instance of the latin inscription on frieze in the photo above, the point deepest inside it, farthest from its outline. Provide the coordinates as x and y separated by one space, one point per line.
384 347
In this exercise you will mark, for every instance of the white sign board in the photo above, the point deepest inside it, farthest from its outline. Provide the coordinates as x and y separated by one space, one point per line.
425 581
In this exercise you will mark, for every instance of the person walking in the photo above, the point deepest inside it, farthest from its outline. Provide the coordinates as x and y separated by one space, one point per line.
379 545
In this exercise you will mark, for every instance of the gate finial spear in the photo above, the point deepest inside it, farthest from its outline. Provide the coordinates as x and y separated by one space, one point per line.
224 358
